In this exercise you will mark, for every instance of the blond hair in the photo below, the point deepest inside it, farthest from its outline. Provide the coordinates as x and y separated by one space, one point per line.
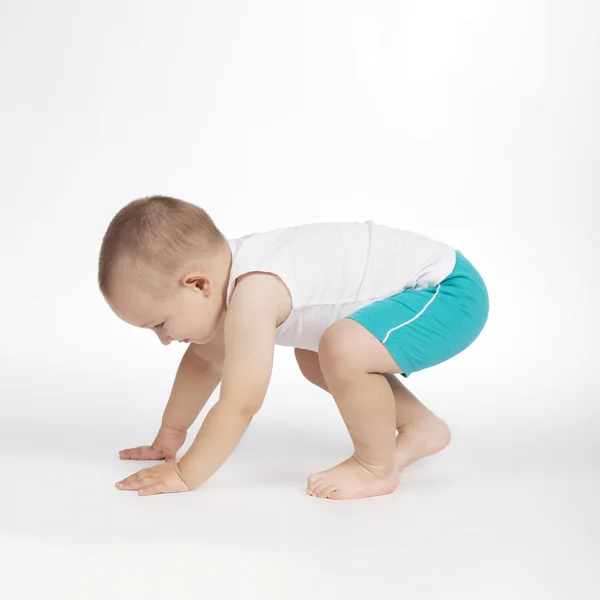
158 235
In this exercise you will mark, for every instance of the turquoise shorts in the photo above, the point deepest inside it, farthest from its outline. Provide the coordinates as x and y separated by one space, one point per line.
422 328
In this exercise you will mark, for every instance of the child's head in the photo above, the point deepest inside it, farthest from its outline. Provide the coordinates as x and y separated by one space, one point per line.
164 265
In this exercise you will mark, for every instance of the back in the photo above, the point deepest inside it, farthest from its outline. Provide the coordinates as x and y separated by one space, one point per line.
332 269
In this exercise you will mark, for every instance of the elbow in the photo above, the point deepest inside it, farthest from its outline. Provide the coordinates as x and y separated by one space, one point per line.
242 402
249 409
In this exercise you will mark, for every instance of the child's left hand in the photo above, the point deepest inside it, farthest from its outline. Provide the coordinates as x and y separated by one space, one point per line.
161 479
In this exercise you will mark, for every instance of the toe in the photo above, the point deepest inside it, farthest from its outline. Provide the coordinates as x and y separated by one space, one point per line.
335 494
321 490
313 481
330 491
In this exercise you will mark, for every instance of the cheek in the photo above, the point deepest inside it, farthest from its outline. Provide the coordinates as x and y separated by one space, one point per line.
178 329
185 325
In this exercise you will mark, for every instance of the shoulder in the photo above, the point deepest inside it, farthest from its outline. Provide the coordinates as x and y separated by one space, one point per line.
262 293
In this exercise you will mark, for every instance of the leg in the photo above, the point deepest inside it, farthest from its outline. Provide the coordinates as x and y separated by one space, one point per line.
420 432
366 404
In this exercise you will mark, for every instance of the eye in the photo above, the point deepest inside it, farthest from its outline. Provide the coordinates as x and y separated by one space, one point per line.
159 326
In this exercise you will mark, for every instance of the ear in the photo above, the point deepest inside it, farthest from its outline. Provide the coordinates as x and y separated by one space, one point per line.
198 281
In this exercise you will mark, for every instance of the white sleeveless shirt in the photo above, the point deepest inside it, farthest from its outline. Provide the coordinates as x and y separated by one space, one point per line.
333 269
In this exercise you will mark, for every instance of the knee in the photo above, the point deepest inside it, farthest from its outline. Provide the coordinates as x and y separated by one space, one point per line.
336 350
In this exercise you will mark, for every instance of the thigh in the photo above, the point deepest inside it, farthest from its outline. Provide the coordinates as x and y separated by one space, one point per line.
308 362
422 328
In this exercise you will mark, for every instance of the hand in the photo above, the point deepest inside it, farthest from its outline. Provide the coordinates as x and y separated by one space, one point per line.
161 479
168 441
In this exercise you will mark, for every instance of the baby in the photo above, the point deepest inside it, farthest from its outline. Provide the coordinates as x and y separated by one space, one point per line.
359 302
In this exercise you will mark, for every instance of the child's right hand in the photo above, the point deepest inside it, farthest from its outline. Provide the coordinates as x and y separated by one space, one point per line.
168 441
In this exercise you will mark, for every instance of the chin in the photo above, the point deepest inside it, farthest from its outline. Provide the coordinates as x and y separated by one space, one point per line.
207 339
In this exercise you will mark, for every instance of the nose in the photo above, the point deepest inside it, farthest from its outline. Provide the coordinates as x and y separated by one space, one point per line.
164 340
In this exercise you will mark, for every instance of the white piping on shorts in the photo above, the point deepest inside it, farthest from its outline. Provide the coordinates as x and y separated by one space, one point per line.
415 317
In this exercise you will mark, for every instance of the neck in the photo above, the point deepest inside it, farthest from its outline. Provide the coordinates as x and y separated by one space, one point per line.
224 262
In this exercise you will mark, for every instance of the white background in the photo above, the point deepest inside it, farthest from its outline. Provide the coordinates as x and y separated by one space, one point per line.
474 122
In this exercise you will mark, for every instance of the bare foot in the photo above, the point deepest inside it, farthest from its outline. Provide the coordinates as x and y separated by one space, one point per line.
350 480
418 440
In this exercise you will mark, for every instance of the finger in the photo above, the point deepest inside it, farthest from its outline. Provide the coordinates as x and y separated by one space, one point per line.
145 453
150 490
136 448
149 454
169 458
127 452
137 480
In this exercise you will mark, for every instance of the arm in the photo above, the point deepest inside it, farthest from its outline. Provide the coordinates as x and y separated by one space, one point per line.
194 384
249 332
